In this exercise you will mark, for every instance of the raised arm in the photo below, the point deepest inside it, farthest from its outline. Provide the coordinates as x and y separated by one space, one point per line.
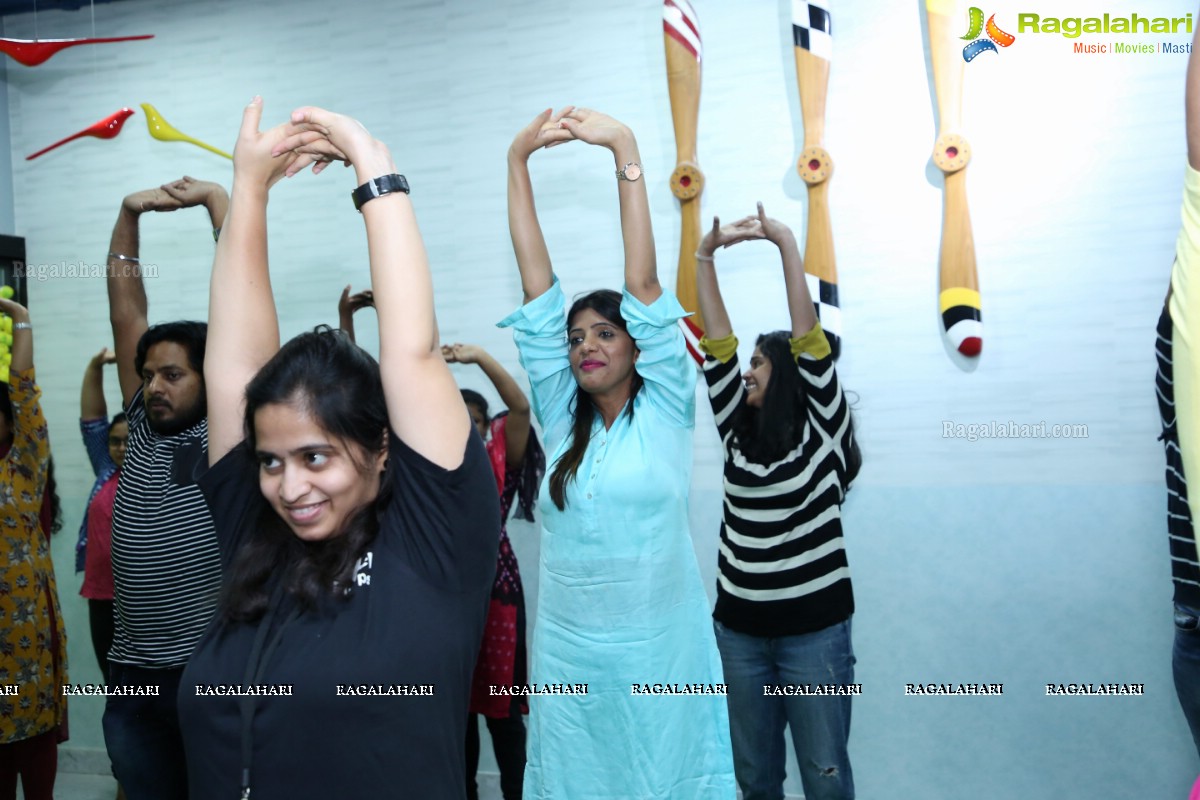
190 192
92 404
93 413
708 290
516 429
30 443
424 405
760 226
22 336
127 305
1182 294
243 328
641 271
529 245
348 304
1192 103
800 304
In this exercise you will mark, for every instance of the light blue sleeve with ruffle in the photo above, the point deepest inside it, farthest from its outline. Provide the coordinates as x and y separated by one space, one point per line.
540 332
663 362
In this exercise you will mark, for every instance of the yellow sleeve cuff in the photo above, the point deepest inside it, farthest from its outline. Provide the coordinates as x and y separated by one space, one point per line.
813 343
721 349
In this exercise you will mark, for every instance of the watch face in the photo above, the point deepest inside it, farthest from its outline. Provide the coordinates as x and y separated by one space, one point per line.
632 172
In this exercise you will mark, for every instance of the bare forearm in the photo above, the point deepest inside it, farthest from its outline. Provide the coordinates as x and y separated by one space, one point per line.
243 330
425 407
800 304
400 279
243 325
529 244
218 206
516 427
712 305
22 344
506 386
126 294
641 269
91 396
1192 103
346 324
127 306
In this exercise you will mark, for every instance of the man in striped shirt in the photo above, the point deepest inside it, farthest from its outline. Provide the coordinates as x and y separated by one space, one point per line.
166 567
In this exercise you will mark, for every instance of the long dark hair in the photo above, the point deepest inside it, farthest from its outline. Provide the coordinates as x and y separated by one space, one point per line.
56 514
473 398
339 385
768 433
529 479
607 304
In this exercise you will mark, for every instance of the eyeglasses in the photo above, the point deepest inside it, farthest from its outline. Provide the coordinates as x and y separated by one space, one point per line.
115 441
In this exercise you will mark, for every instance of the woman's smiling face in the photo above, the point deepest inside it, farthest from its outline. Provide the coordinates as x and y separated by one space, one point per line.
602 354
314 480
756 378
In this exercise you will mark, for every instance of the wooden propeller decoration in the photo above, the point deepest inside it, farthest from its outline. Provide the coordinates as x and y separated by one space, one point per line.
681 38
814 49
959 299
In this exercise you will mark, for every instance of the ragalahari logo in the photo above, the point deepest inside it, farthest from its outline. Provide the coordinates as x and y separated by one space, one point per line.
995 36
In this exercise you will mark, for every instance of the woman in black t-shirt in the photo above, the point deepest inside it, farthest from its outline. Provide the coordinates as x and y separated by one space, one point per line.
357 519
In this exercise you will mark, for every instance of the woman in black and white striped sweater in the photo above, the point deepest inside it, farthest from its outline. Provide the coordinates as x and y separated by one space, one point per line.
784 600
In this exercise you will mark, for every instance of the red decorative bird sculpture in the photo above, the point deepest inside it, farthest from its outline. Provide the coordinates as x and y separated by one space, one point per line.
106 128
32 52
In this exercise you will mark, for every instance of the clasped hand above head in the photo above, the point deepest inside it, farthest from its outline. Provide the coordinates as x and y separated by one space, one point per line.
755 226
552 128
459 353
348 303
11 308
183 193
311 136
105 356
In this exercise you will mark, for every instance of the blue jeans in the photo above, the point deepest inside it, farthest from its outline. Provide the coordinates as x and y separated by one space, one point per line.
820 725
142 735
1185 664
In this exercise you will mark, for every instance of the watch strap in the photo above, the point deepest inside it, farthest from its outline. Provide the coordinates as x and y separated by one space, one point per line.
378 187
622 174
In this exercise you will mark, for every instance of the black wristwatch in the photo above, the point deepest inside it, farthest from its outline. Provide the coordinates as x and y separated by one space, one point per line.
378 187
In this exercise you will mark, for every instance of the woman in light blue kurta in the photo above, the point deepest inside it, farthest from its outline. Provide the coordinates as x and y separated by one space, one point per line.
621 605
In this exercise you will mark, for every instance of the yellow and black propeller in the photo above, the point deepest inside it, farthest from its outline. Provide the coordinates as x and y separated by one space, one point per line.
958 299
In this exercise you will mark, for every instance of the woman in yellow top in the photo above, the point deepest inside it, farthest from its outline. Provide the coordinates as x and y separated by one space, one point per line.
33 644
